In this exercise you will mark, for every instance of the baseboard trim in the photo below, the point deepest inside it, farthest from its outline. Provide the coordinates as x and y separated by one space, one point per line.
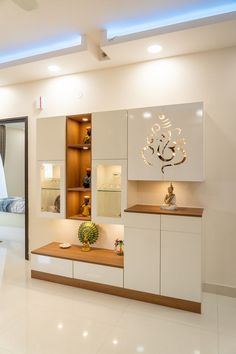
219 289
113 290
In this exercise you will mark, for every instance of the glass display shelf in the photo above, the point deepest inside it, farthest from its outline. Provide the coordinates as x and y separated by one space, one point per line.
109 190
50 186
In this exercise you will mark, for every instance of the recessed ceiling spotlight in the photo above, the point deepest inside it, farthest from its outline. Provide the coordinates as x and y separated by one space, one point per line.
154 48
147 115
54 68
84 119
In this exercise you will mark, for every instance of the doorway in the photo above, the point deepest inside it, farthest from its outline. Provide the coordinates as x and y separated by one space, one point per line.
17 206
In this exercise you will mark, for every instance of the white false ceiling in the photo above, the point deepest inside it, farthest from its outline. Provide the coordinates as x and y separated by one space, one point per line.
61 20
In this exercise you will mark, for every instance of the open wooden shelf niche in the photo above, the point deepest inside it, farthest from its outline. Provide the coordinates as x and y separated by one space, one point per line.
78 158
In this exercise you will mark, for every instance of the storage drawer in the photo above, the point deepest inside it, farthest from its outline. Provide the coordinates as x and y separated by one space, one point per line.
181 223
52 265
142 221
98 273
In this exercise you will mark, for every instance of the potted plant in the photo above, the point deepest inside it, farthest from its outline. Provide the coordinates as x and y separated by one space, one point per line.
119 244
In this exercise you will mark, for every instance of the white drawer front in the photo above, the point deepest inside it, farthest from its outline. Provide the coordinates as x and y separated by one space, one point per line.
98 273
51 265
142 221
181 223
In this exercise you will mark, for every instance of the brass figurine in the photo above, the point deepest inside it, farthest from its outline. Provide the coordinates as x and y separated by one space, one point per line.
170 199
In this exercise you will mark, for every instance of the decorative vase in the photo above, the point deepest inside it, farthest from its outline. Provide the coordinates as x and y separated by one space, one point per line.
119 247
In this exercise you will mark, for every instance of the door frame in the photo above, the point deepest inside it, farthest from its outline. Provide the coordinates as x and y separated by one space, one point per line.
25 121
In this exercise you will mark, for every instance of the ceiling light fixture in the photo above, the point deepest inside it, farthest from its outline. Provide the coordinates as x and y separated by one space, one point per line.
54 68
154 48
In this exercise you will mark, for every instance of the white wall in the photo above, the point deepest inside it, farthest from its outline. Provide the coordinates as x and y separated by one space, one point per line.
14 161
208 77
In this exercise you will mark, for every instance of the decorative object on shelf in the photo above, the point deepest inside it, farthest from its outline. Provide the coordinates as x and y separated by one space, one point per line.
88 234
86 207
65 245
170 199
57 204
164 143
87 138
87 178
119 244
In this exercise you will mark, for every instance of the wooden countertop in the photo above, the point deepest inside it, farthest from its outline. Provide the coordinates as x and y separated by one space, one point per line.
156 209
96 255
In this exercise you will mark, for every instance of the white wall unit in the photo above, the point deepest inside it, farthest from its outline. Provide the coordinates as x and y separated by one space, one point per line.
98 273
109 135
51 134
166 143
142 253
52 265
163 254
109 190
181 265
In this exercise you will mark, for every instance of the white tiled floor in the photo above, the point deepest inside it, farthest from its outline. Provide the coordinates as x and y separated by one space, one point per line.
37 317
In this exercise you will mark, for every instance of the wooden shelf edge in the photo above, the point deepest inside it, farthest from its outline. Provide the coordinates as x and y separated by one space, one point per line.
79 217
78 189
180 304
156 209
100 256
79 146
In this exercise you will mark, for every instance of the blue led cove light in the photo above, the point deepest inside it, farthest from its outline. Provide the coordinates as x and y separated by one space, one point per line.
44 48
126 29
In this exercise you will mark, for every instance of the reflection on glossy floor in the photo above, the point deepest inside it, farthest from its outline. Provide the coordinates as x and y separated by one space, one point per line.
37 317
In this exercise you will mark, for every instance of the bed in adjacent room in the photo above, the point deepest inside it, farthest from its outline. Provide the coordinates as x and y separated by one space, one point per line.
12 211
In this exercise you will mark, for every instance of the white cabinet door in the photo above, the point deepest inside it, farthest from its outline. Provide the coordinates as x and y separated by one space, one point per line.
51 265
109 135
166 143
51 133
98 273
181 265
142 260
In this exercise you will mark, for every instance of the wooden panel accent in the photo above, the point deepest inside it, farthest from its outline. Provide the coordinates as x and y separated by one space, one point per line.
73 173
96 255
77 160
156 209
113 290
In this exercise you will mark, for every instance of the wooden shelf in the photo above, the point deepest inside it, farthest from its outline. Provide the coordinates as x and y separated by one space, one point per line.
156 209
79 189
79 217
79 146
96 255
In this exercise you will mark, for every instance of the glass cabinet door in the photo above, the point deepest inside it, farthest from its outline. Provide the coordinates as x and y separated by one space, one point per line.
52 189
109 190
